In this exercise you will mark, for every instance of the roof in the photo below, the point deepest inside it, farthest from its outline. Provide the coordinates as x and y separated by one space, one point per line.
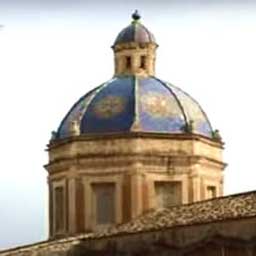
218 209
233 207
136 104
135 32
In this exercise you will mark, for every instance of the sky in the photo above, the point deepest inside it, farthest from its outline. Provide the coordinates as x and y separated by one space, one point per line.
52 52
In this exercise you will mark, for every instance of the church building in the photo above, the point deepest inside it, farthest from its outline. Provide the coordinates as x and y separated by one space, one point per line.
135 168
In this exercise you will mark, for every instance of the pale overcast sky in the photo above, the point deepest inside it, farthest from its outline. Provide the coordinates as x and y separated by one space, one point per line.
52 52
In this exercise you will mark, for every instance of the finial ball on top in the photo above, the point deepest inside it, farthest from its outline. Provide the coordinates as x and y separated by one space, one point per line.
136 16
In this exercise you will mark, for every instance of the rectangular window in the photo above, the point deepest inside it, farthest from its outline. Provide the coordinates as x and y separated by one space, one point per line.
211 192
168 193
128 62
59 208
143 62
104 203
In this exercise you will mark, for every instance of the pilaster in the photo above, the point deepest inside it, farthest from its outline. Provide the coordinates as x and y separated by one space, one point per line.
72 205
136 191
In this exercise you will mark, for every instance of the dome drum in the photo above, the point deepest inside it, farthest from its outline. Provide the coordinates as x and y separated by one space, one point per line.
132 165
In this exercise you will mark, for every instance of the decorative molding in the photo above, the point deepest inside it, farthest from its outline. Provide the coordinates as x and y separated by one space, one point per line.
124 135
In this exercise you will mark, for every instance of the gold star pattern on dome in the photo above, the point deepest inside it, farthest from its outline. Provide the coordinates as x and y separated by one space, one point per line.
109 106
159 105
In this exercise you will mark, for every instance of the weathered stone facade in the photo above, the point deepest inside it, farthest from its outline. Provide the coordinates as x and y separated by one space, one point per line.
134 164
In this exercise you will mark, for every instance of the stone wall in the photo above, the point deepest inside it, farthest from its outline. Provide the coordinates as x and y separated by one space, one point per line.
134 164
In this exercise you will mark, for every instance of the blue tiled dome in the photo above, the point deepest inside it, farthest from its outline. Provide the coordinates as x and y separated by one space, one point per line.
130 103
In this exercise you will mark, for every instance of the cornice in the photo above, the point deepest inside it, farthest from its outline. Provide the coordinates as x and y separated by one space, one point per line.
135 135
98 160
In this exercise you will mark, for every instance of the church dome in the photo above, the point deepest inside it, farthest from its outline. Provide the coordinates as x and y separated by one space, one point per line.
135 104
135 32
134 100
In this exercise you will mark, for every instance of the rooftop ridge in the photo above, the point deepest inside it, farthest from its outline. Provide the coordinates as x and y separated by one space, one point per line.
131 229
216 198
202 212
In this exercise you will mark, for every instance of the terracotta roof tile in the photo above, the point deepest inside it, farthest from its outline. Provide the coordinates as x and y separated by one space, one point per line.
231 207
218 209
